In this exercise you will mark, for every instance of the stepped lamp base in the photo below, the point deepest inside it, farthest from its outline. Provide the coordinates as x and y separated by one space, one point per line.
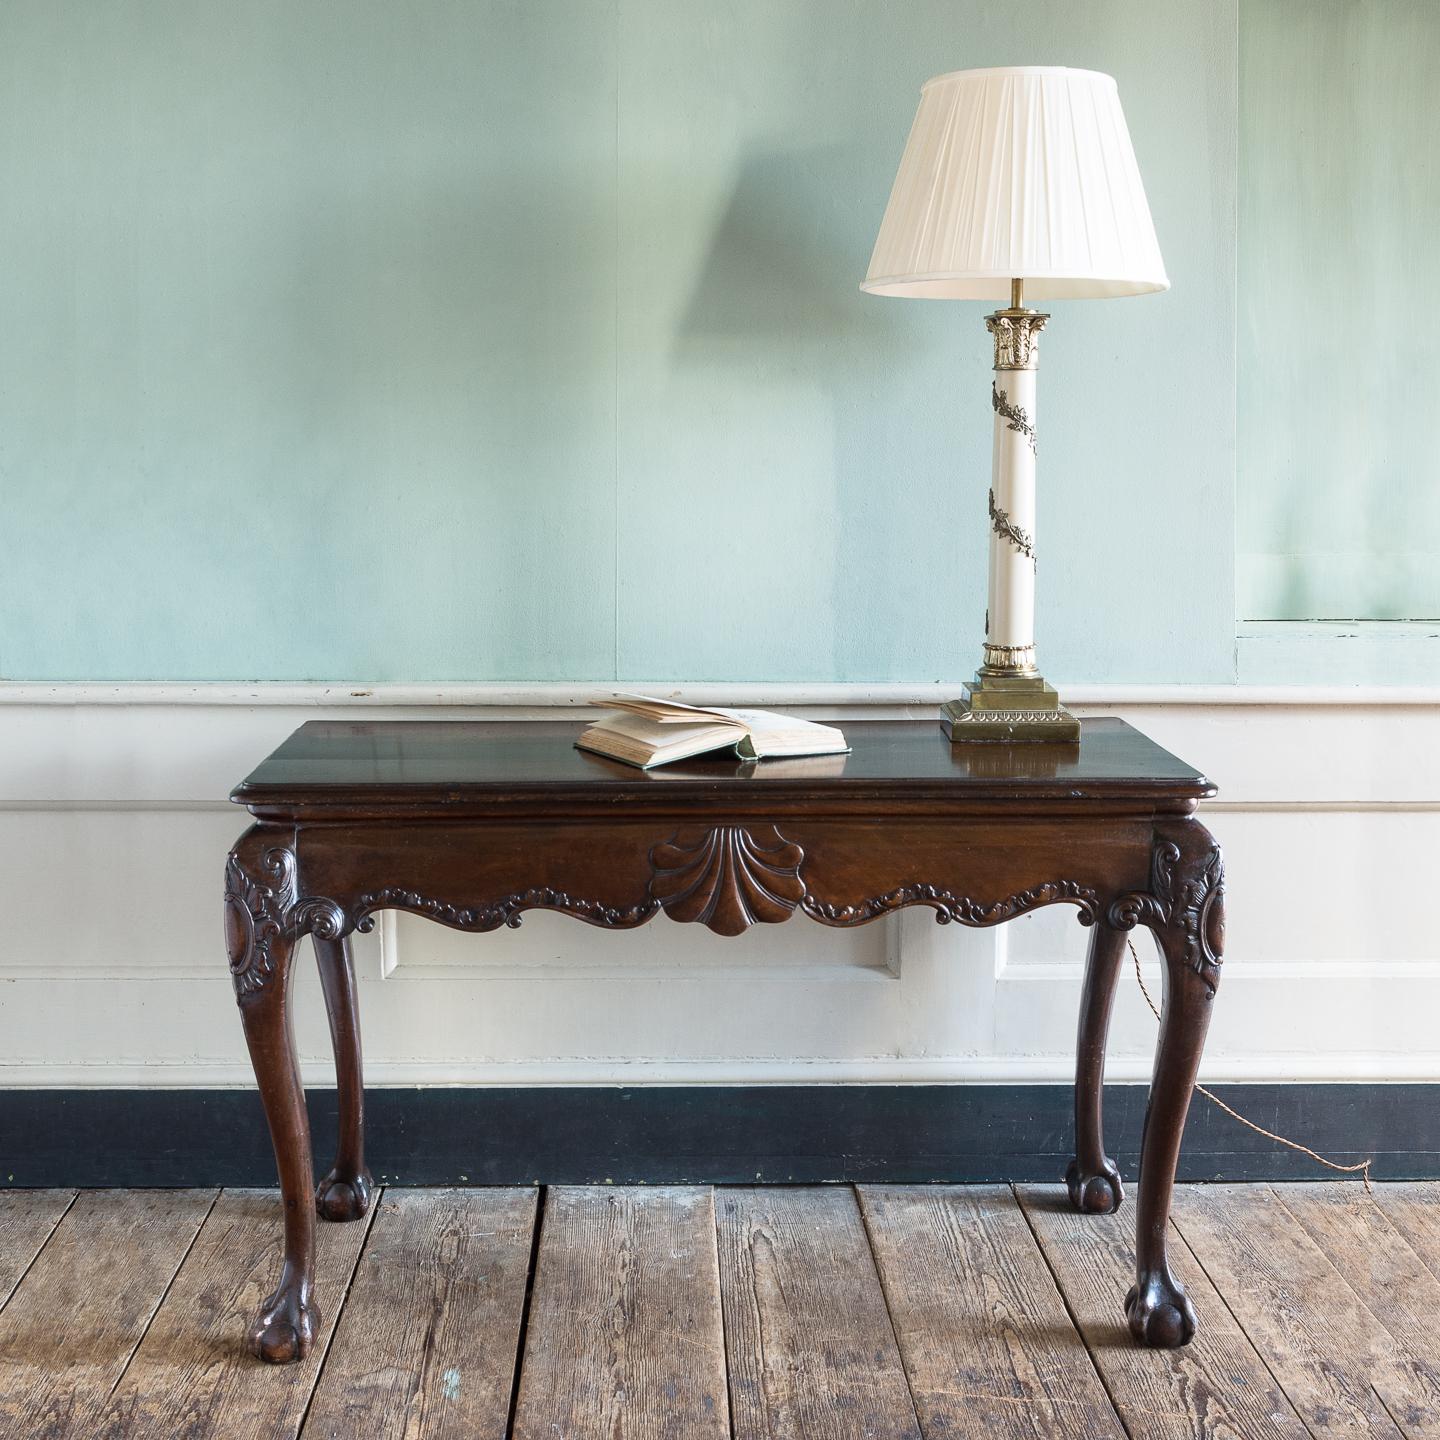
1012 709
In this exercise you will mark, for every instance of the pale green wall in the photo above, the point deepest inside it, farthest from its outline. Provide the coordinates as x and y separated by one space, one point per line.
468 339
1339 398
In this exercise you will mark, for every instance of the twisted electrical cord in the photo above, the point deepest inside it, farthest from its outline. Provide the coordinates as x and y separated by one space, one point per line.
1363 1167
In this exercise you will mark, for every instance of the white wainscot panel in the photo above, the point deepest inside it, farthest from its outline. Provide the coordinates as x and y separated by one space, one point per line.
666 998
1350 749
114 894
1323 890
683 1024
1332 968
556 946
1303 888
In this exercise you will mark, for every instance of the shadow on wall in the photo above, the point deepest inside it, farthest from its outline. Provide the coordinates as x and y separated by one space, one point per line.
782 275
778 299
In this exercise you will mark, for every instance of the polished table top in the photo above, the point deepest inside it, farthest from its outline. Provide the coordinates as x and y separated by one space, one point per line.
405 763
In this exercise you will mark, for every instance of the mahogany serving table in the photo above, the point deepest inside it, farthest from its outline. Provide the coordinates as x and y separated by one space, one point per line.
471 824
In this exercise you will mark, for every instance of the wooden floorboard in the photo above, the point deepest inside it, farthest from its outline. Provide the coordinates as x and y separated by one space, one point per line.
812 1352
1319 1340
889 1313
1414 1210
192 1378
427 1341
1397 1288
27 1218
988 1345
1216 1388
624 1335
74 1321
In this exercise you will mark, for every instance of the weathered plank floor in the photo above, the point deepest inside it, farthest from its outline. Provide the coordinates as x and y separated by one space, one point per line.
941 1312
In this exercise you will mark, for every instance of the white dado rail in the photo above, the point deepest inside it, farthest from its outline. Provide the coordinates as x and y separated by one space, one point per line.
114 827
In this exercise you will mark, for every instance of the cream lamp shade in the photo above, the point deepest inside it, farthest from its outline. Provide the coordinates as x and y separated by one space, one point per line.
1024 173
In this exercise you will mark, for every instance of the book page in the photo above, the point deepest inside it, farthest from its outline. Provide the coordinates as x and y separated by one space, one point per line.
772 723
666 712
641 740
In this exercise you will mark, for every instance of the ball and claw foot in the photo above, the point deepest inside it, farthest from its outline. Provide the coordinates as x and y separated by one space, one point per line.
1095 1194
343 1197
1160 1312
285 1329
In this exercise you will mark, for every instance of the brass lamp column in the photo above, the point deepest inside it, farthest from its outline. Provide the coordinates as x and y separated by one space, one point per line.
1009 699
1014 178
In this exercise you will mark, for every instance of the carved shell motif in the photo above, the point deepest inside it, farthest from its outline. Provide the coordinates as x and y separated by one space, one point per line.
727 880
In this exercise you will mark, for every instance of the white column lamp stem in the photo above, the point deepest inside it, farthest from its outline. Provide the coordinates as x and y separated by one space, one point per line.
1009 700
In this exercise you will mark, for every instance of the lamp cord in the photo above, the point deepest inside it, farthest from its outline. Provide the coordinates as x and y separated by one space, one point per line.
1364 1165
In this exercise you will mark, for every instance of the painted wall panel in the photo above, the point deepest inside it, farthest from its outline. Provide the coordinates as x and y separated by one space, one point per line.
1339 279
308 365
505 339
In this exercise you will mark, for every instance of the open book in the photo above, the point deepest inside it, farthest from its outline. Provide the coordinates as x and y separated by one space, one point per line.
645 732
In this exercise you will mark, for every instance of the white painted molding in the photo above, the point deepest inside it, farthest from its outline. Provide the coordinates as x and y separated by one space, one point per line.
577 695
877 1070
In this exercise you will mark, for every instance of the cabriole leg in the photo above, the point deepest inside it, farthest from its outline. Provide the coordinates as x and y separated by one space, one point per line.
1092 1179
1157 1307
259 935
344 1194
285 1328
1185 910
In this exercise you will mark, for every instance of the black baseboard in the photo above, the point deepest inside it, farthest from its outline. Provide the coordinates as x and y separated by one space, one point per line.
730 1134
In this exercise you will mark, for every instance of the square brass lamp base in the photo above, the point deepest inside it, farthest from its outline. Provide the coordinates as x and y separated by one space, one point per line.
1008 710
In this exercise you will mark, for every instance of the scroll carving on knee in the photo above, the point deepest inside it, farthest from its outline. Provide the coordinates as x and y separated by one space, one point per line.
257 917
1186 898
262 908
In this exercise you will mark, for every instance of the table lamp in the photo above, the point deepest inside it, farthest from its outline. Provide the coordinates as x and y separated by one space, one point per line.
1015 183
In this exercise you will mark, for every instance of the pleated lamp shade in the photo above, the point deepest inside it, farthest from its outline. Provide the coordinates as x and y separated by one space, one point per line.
1021 173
